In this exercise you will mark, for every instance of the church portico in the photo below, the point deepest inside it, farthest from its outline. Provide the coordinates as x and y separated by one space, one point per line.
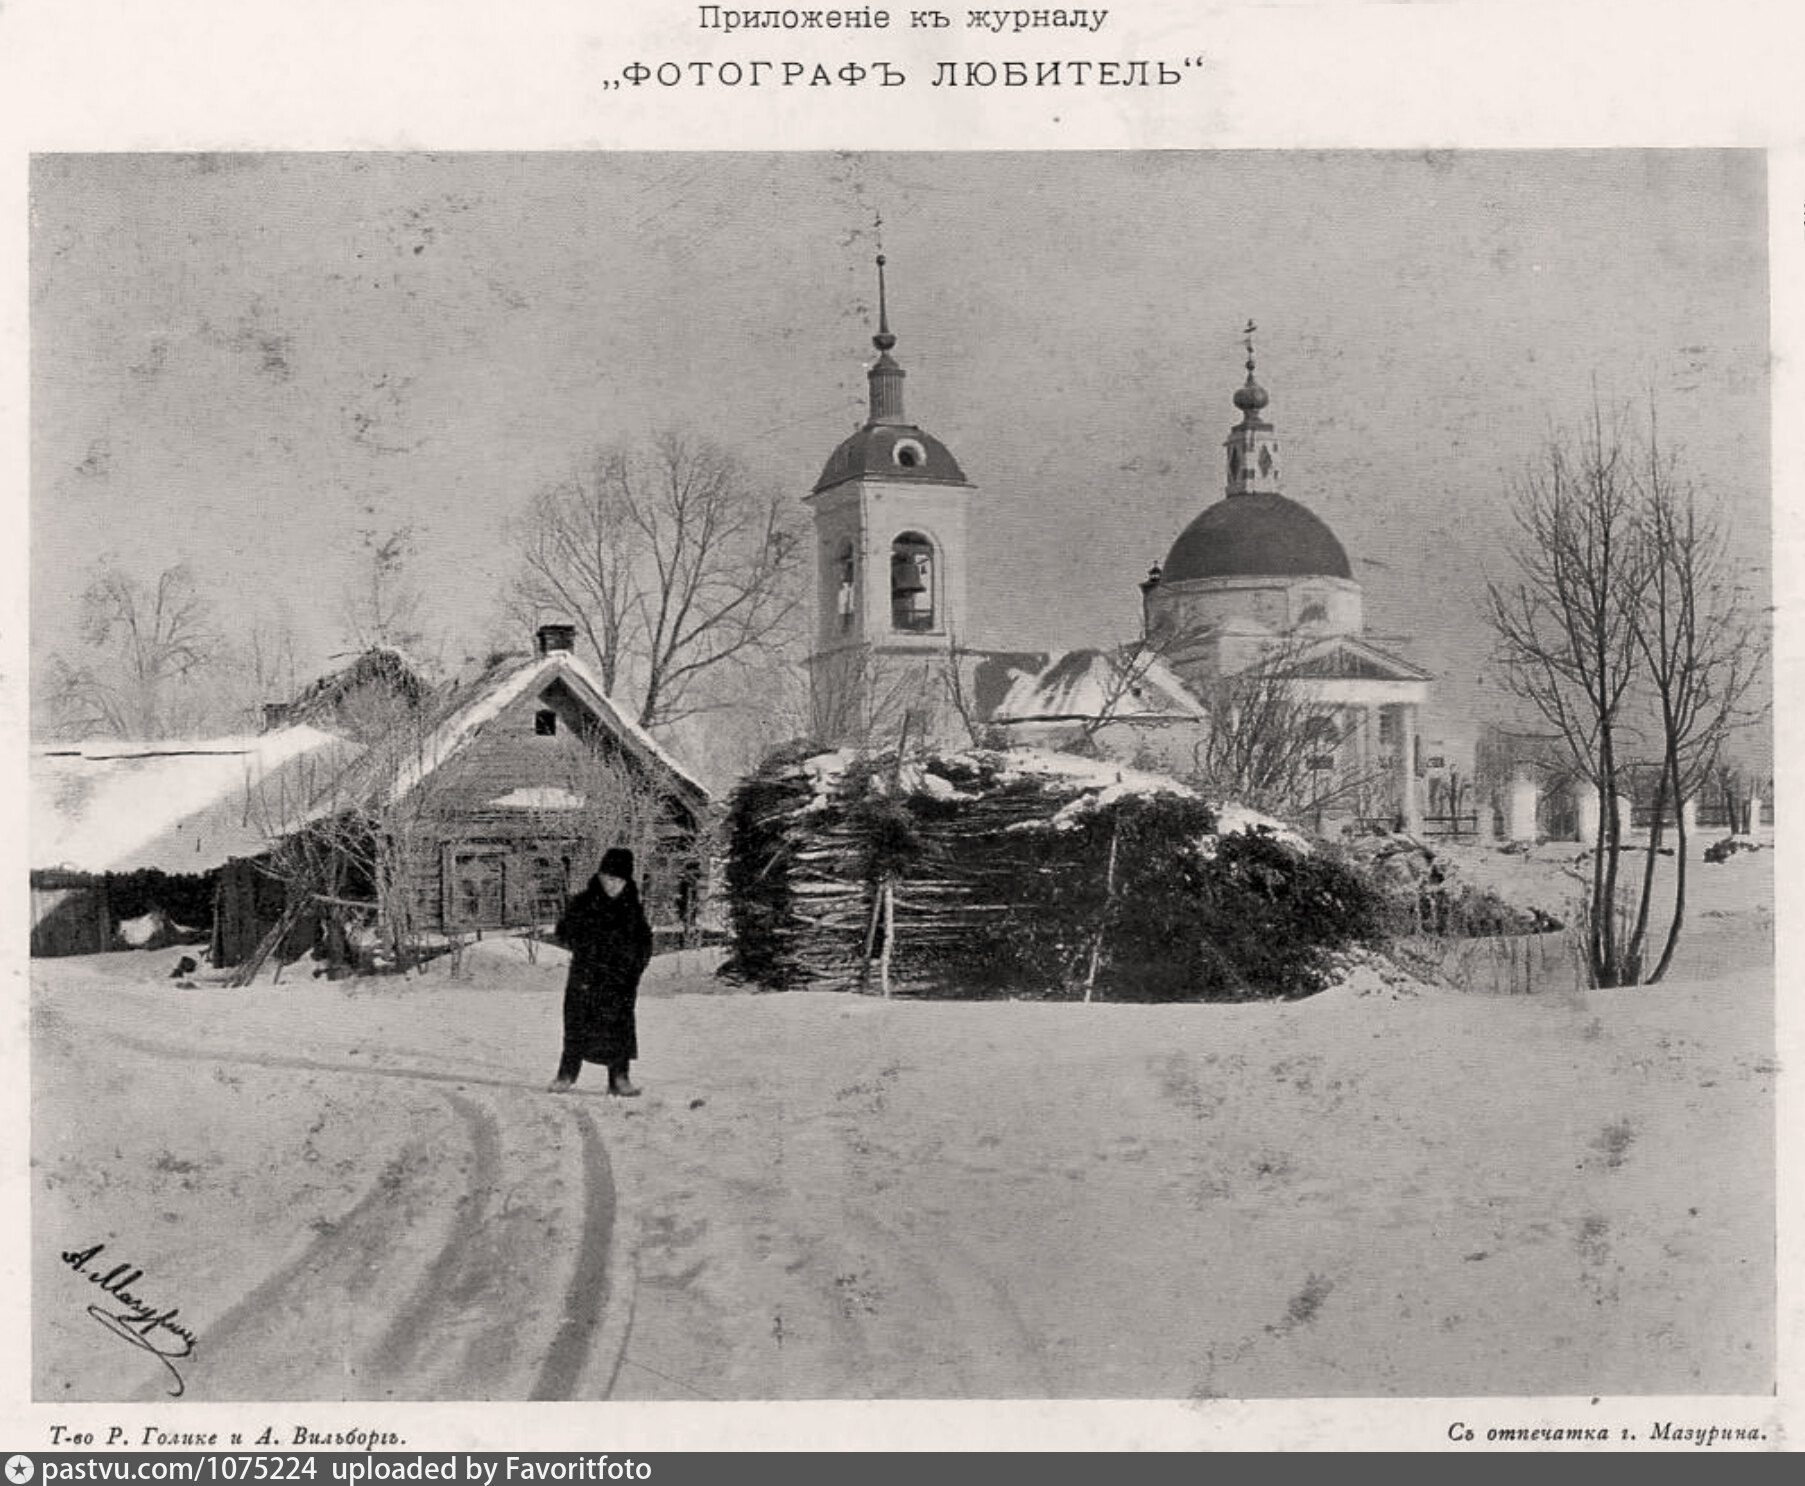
1372 731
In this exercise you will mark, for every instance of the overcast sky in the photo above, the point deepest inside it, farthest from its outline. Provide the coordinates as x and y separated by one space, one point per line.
241 361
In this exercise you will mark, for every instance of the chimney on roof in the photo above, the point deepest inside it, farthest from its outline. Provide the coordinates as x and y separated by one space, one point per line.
557 637
275 715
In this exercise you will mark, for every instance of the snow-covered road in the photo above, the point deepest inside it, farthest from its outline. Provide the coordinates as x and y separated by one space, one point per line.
361 1191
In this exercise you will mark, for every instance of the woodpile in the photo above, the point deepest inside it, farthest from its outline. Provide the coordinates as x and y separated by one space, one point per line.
966 874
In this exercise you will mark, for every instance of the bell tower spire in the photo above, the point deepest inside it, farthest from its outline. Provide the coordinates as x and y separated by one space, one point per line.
1253 446
885 376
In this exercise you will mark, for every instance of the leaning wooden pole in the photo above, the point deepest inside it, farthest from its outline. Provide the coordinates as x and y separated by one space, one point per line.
881 911
888 893
1109 892
267 946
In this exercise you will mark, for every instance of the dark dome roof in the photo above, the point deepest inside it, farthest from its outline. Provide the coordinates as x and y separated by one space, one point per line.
884 450
1251 398
1256 536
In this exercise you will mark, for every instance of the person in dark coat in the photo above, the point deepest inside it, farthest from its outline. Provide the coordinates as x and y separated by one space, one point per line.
605 929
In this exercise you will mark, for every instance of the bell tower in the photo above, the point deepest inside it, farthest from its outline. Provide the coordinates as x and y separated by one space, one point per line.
890 512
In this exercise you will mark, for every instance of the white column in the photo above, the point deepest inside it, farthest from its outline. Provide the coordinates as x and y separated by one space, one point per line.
1588 812
1409 804
1753 808
1366 727
1520 821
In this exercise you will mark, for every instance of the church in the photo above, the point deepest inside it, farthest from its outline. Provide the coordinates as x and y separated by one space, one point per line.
1255 599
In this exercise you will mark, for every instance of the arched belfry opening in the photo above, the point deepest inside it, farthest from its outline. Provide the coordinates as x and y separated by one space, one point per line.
912 608
846 587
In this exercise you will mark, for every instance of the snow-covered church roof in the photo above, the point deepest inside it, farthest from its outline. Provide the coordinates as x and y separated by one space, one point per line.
1085 685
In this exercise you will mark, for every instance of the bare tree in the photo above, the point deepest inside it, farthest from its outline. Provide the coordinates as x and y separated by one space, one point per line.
1620 626
670 561
145 647
345 842
267 664
1566 629
1703 652
959 699
382 603
863 700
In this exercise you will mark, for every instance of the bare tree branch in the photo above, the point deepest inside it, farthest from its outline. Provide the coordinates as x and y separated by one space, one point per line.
147 647
673 566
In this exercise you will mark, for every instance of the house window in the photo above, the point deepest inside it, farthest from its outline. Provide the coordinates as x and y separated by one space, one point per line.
545 722
912 582
909 454
1388 728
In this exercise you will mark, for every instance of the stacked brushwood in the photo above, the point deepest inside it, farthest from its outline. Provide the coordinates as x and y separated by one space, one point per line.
975 875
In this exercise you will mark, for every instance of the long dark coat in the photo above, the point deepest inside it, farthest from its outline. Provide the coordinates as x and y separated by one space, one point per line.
610 942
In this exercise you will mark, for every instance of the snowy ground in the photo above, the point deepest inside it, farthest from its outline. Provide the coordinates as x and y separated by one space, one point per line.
360 1190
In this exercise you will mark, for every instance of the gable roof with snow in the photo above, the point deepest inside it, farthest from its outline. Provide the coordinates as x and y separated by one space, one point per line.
473 705
381 670
175 806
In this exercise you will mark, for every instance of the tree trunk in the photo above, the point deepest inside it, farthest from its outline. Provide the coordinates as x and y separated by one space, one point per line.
1638 938
1679 885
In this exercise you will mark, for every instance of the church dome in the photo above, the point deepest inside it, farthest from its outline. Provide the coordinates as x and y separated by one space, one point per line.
1256 536
891 451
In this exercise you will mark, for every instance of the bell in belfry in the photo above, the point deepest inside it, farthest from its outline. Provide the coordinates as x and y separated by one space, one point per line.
905 576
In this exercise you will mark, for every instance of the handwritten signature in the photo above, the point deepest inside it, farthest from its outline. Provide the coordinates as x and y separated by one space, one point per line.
135 1322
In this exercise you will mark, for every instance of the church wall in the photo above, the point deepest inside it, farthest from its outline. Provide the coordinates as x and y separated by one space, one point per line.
866 697
869 516
938 513
1165 748
1322 605
1338 600
838 529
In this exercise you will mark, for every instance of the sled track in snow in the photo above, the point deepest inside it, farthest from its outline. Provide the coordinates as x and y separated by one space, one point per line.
587 1297
413 1325
450 1323
304 1065
265 1332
